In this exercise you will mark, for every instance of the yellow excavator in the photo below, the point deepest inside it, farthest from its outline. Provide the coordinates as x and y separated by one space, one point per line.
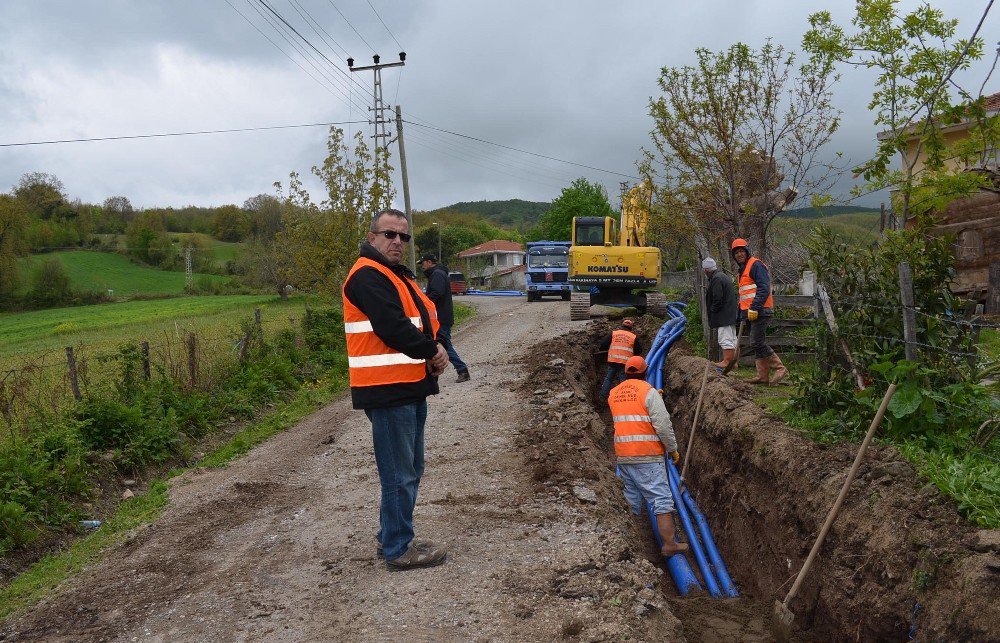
613 265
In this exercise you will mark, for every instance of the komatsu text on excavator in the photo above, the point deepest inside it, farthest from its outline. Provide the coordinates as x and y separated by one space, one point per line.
609 266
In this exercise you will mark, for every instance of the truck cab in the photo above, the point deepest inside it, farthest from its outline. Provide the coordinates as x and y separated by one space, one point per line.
547 264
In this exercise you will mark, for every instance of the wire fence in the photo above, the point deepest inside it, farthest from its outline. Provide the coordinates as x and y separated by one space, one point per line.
38 385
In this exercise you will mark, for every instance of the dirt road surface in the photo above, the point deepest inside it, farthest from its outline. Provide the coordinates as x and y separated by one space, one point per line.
280 545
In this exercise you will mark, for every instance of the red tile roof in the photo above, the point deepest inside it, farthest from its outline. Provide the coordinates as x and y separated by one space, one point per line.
992 102
491 247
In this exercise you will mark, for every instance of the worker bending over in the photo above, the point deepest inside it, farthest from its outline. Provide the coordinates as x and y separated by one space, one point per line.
621 344
643 435
756 308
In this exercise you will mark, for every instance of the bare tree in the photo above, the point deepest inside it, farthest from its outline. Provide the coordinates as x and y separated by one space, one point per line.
733 129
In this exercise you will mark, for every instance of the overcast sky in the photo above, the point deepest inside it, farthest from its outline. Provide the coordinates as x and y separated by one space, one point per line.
569 80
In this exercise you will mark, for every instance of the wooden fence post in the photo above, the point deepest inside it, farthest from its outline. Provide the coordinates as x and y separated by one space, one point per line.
909 316
192 360
824 300
243 348
706 331
881 219
145 361
993 289
73 381
977 320
260 327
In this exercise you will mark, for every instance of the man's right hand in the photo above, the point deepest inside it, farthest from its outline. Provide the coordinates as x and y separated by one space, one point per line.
439 362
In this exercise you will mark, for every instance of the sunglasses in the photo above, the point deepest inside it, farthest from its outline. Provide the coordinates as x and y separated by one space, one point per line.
392 234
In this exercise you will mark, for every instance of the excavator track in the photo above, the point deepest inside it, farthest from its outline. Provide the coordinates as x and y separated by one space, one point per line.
579 306
656 304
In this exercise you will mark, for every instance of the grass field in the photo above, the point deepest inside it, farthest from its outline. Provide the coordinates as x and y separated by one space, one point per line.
860 228
220 251
103 271
44 334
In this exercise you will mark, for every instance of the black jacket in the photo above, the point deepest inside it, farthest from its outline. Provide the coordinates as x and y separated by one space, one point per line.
439 291
376 296
720 299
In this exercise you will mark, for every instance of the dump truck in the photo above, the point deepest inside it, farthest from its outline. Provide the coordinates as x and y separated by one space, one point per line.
547 264
612 264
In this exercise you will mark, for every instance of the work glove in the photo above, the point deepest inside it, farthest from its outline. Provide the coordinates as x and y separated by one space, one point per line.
752 315
676 457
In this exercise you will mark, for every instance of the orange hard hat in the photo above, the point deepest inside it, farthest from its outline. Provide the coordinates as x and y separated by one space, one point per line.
635 365
627 323
738 243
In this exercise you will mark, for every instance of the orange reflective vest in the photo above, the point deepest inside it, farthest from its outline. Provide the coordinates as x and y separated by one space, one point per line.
370 361
748 287
634 432
622 345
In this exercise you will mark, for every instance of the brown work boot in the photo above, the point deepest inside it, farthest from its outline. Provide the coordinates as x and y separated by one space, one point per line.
728 355
417 557
763 370
665 525
463 376
779 369
416 542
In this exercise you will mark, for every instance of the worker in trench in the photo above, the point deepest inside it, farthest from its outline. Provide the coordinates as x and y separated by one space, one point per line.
643 436
621 344
756 309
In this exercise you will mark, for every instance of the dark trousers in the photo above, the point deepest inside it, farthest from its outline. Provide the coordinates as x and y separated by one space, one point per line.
614 377
758 334
444 336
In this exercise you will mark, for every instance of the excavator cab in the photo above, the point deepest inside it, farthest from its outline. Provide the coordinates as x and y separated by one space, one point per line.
593 231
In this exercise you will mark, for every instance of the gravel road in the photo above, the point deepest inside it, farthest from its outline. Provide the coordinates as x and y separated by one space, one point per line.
280 546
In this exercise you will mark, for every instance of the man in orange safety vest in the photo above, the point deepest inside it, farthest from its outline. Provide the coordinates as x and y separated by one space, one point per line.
643 436
393 360
621 344
756 308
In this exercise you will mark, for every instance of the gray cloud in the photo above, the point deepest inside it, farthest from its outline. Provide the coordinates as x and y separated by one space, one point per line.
564 79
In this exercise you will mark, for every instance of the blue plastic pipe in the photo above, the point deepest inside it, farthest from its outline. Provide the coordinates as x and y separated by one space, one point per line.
721 573
680 569
693 542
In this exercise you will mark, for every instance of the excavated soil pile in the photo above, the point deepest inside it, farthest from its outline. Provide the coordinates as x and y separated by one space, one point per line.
898 562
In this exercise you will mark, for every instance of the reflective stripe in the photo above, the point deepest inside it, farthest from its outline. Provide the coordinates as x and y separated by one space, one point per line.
748 296
366 326
387 359
748 287
637 438
632 418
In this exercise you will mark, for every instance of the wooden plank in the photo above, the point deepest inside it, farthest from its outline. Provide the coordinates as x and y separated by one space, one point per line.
790 323
748 359
803 301
824 300
780 341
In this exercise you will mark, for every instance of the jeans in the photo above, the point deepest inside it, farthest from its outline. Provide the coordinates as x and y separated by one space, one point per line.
614 377
444 336
647 481
398 434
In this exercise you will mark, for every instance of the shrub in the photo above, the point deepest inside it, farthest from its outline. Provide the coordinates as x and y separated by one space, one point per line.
50 285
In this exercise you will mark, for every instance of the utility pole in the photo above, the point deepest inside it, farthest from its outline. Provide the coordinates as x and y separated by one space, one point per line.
188 273
406 190
380 134
438 228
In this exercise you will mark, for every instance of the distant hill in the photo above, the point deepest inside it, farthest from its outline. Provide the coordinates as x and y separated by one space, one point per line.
512 213
828 211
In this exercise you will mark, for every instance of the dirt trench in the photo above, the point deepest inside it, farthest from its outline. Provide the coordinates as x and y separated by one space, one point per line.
899 562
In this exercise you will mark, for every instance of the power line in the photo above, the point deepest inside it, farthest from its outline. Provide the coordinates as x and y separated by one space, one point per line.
311 20
383 24
515 149
169 134
351 26
278 47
